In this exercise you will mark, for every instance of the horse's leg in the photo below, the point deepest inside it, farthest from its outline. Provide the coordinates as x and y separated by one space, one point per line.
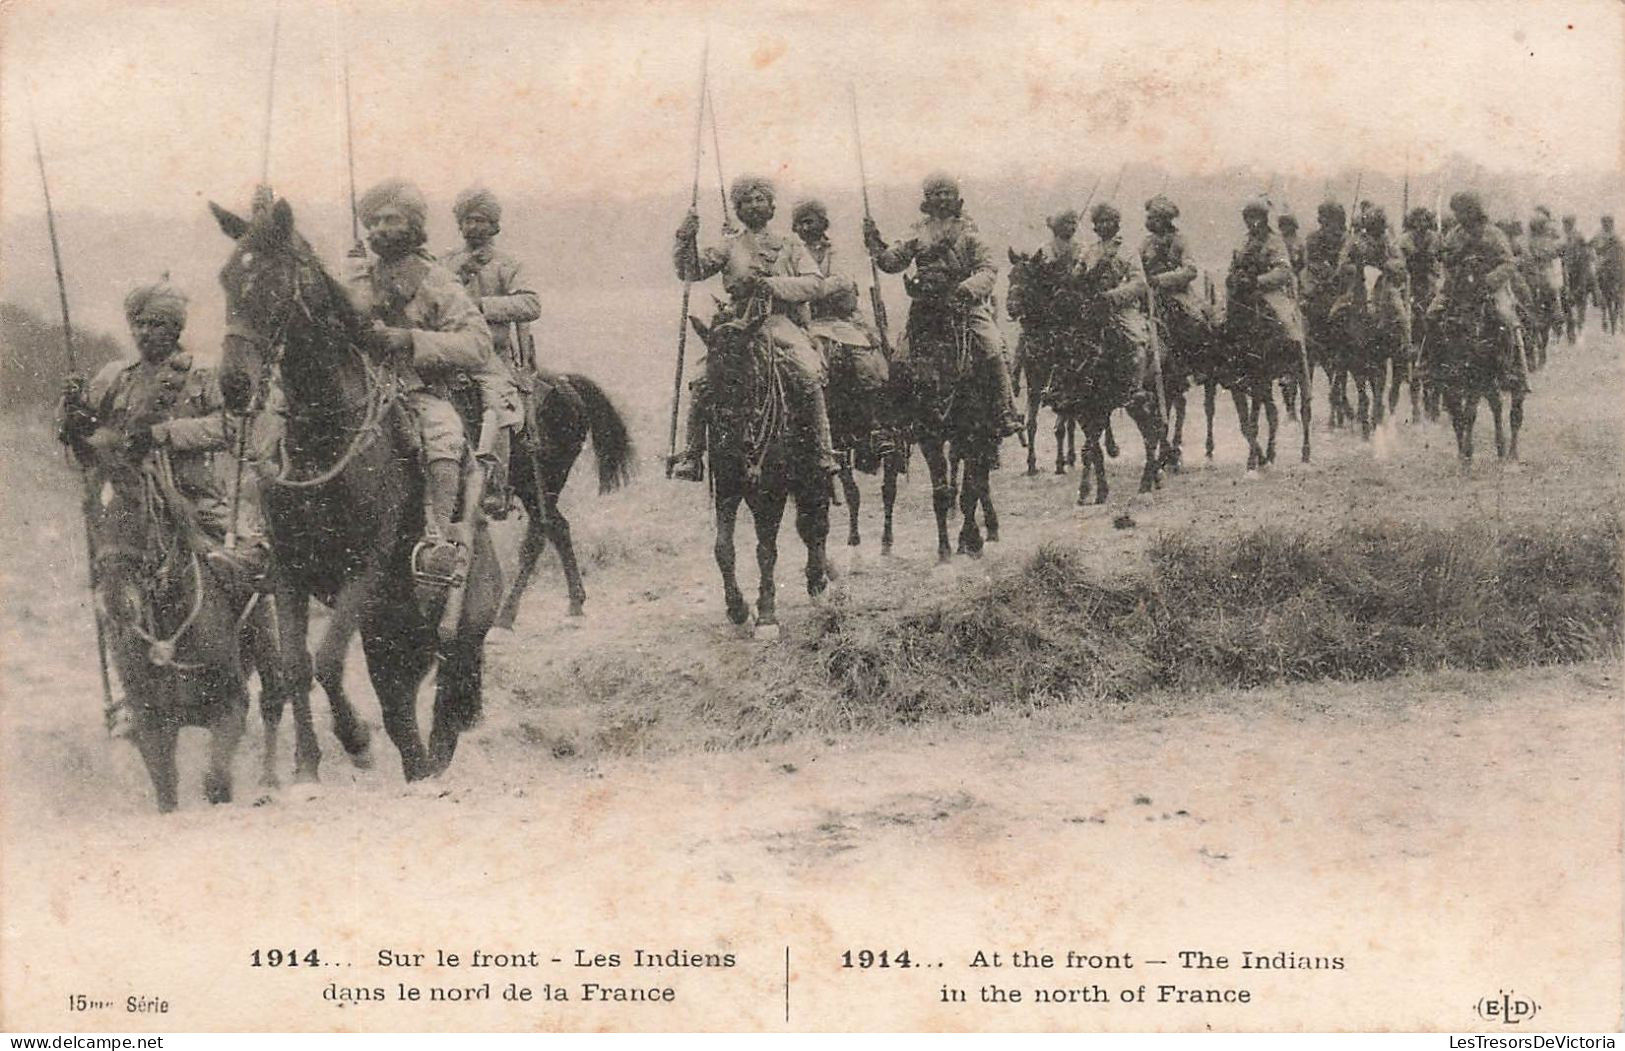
728 497
262 653
459 682
328 663
1273 416
1515 420
888 497
1493 396
1176 453
227 697
1033 396
1062 427
849 484
1149 421
155 733
1110 439
970 499
942 493
1091 452
1362 387
1246 415
812 525
1071 441
1210 394
767 510
530 551
399 650
1306 408
990 516
289 617
1469 420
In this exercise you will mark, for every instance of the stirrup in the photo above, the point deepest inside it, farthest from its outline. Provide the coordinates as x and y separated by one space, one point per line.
429 573
688 466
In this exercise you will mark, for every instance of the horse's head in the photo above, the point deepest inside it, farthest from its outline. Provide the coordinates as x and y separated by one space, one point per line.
277 295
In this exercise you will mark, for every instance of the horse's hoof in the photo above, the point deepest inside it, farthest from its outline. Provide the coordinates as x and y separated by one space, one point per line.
577 609
742 631
1060 469
216 791
767 632
1032 470
992 536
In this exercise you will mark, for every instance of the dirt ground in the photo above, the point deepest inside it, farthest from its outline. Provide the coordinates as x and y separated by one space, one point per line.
1451 836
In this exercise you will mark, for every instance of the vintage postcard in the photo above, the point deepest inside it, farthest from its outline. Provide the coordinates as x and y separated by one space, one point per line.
789 516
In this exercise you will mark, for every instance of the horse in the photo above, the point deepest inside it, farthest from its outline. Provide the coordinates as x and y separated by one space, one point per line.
1192 353
1258 352
1375 333
864 428
186 632
1470 362
1104 376
949 404
758 459
558 419
1544 276
1034 282
345 508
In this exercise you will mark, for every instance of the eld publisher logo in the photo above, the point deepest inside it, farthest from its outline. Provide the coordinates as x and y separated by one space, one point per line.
1507 1008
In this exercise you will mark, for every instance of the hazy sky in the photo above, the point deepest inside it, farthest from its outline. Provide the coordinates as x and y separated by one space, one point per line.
149 107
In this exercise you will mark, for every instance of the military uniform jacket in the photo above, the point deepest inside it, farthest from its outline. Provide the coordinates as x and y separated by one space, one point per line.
1610 256
501 290
1115 274
449 335
1477 264
180 401
947 253
1171 274
1264 259
835 314
1421 250
792 276
1392 288
1321 251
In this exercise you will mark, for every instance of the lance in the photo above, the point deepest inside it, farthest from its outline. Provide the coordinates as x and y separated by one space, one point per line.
73 367
349 153
716 155
262 195
1118 184
877 302
688 284
1090 199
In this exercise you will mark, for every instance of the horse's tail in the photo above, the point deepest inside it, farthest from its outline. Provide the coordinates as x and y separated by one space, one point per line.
611 441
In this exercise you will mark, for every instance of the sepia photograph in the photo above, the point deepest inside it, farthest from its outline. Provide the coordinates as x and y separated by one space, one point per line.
538 516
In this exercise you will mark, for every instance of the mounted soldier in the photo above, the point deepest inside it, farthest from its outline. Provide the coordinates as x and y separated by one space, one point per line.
1183 313
770 276
849 344
1579 276
1260 281
428 326
497 283
1287 225
954 273
1478 269
1421 245
1370 247
1112 283
1610 270
162 400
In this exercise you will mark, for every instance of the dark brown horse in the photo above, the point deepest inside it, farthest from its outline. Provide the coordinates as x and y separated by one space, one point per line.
184 631
1469 359
559 418
759 459
346 507
1035 281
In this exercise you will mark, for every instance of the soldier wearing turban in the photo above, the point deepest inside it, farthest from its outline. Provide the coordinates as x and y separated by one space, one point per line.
1181 312
497 283
849 343
1421 245
433 332
1260 280
1479 266
1112 280
953 272
763 271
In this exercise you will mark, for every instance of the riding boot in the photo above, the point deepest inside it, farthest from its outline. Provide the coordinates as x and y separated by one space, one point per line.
689 465
498 496
819 406
443 557
1010 419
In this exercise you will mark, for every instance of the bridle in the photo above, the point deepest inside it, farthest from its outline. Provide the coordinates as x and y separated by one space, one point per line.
374 405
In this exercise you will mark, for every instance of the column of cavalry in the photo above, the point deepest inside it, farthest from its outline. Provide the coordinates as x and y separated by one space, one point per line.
368 422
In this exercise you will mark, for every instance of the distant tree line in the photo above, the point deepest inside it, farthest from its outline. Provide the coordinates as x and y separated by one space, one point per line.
33 361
